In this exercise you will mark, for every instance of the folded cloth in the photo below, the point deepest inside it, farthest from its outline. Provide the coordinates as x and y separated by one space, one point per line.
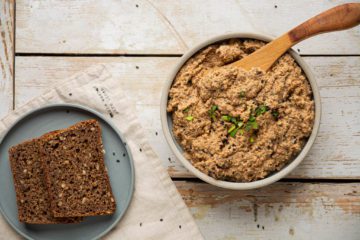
157 210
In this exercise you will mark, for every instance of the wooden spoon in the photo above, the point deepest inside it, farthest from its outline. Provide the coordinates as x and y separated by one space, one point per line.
338 18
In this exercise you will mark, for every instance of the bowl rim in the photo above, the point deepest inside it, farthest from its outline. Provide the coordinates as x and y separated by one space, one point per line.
239 185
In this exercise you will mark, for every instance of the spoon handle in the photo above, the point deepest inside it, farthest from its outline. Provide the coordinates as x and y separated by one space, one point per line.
338 18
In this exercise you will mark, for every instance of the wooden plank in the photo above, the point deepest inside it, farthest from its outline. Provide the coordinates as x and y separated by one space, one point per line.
336 152
6 55
279 211
156 26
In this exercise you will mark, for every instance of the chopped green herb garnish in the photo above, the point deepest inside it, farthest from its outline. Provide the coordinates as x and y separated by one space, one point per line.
212 112
261 110
226 118
275 114
213 108
241 131
233 120
252 118
231 128
186 109
242 94
248 126
235 127
189 118
251 124
233 132
251 140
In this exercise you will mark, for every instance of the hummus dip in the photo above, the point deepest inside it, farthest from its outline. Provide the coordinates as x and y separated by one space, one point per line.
237 125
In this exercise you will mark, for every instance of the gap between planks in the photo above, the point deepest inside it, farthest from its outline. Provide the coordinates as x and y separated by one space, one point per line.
24 54
14 55
123 26
21 54
281 210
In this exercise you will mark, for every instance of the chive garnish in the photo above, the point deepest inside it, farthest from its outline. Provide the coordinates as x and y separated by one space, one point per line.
261 110
251 140
226 118
248 126
235 127
252 118
212 112
231 128
233 132
233 120
242 94
275 114
186 110
251 124
189 118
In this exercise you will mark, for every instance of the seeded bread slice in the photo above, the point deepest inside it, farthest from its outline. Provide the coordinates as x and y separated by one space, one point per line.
31 193
75 172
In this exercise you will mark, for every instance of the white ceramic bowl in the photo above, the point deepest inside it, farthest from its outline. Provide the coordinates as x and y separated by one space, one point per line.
166 120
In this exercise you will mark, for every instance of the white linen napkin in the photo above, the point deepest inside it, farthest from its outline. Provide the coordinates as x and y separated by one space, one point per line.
157 210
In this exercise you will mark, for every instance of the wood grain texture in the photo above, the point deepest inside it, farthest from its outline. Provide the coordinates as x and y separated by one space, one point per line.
338 18
335 154
155 26
6 55
280 211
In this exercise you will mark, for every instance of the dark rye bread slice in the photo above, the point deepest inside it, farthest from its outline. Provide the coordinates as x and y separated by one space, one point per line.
31 193
75 172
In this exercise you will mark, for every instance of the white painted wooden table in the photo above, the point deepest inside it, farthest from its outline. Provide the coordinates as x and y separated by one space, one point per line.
43 42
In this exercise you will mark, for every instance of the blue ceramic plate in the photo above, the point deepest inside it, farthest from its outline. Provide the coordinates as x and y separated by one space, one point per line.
118 160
